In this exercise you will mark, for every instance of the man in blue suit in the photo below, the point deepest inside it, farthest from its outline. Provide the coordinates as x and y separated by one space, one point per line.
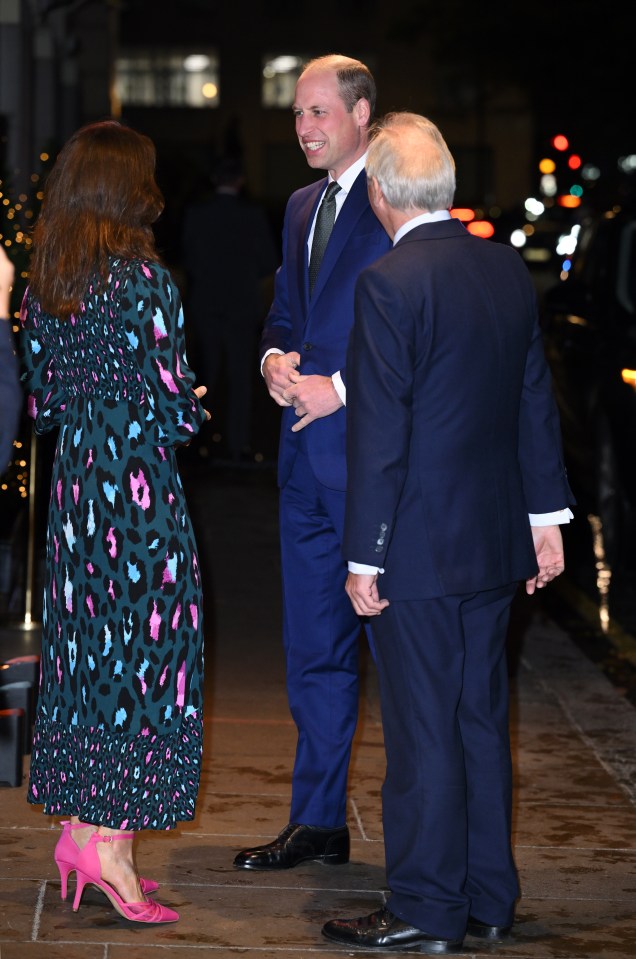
303 351
456 491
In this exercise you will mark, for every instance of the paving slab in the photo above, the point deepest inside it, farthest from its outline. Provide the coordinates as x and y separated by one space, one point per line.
574 765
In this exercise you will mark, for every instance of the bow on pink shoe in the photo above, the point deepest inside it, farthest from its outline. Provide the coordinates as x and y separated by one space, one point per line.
67 851
89 870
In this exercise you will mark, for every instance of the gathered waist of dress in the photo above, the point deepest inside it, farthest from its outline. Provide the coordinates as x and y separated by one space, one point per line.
107 397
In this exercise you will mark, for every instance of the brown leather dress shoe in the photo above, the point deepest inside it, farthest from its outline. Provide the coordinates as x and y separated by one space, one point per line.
296 844
383 930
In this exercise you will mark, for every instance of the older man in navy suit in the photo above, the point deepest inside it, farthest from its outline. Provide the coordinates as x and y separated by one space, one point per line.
456 491
303 350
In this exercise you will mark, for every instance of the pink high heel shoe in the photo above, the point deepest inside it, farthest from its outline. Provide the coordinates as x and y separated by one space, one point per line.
67 851
89 870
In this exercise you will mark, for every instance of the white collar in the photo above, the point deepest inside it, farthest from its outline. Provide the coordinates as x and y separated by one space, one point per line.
348 178
417 220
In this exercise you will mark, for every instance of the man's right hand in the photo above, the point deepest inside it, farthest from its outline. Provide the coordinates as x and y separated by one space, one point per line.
362 590
276 369
548 546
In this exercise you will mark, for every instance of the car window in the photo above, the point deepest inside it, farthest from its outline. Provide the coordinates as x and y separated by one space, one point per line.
594 258
626 268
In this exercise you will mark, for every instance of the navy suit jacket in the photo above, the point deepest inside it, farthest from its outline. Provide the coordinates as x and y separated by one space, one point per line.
454 435
318 329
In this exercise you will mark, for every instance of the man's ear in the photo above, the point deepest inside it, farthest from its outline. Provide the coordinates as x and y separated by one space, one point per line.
374 190
362 112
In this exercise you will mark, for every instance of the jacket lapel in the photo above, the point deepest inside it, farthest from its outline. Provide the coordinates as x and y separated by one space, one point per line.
305 215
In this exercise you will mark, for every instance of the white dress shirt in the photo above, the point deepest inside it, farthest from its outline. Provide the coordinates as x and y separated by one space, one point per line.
345 182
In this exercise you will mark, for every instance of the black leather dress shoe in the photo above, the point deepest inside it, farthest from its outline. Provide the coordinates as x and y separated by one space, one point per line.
383 930
295 844
481 930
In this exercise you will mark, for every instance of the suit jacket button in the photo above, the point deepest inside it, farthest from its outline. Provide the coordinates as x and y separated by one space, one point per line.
307 346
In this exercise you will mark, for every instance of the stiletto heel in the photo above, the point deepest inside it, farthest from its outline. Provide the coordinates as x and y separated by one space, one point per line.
89 870
67 851
65 869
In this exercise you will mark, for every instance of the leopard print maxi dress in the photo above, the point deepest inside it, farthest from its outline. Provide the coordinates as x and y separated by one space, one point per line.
118 732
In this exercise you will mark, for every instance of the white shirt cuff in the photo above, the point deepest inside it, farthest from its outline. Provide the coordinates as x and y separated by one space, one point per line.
363 569
339 387
551 519
273 350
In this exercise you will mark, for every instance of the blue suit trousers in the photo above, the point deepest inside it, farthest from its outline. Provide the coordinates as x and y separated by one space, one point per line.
321 634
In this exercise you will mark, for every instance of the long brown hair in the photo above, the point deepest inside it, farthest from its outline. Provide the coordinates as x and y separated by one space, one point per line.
100 200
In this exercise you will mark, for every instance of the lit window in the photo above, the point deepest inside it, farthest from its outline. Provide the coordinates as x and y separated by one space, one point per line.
280 74
151 78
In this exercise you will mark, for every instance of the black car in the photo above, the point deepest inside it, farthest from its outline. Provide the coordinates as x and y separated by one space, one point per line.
589 323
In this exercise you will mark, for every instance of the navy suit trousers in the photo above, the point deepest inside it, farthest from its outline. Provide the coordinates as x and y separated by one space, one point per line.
447 796
321 634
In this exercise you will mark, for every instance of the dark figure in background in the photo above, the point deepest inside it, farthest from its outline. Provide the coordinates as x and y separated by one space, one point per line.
118 734
228 253
456 489
303 352
10 390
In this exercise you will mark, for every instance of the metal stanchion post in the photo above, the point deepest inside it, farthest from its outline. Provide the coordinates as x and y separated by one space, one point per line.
28 622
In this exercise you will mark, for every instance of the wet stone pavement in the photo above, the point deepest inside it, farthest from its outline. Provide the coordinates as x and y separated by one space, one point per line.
574 739
596 605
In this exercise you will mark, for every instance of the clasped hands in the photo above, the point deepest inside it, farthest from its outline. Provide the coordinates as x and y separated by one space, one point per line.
311 396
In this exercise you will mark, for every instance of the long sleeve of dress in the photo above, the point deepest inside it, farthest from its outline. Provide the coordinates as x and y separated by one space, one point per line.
153 321
46 400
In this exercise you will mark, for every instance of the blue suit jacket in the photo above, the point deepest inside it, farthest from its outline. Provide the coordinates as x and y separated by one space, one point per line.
319 329
454 435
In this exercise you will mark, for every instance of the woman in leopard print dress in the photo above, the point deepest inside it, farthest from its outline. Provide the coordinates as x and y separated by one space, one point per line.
118 734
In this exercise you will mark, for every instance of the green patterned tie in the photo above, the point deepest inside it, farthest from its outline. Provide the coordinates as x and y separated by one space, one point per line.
322 231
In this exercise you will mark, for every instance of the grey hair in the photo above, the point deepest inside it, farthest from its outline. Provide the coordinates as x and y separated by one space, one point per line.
355 80
409 158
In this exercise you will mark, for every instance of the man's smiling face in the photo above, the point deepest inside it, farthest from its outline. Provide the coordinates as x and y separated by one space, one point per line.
330 137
